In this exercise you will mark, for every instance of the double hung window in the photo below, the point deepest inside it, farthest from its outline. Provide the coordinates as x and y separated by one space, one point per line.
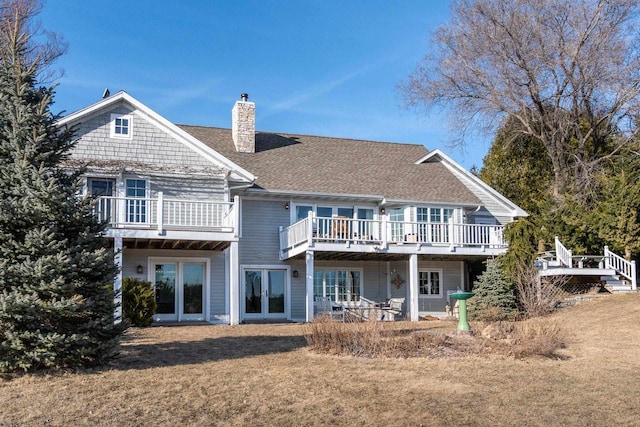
429 283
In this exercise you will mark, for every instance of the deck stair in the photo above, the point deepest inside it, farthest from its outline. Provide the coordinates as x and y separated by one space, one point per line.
617 274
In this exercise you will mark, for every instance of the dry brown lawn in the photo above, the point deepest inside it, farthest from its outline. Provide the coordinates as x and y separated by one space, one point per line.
265 375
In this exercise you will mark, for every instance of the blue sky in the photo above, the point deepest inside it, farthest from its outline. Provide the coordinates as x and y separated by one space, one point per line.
326 67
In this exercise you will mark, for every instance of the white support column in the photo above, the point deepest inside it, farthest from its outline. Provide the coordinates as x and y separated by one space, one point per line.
312 225
413 287
234 285
309 285
117 283
388 276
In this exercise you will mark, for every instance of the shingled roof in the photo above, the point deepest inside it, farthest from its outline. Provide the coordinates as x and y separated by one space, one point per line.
313 164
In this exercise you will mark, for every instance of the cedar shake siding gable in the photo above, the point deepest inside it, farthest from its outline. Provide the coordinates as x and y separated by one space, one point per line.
311 164
149 149
153 143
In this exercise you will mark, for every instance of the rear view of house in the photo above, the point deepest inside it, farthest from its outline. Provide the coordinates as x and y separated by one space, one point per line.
233 225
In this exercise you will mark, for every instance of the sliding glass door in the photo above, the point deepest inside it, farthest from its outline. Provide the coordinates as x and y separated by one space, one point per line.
180 289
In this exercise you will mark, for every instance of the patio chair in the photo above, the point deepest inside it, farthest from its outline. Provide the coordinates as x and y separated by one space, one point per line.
324 306
393 308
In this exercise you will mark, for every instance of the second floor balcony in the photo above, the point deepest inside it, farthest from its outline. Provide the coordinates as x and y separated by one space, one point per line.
341 234
161 217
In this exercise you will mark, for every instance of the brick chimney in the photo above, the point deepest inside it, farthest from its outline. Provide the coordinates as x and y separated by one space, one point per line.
243 127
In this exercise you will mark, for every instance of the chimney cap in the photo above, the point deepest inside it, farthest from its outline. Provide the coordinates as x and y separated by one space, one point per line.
244 97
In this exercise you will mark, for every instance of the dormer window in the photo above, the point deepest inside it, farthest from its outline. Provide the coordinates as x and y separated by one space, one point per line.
121 126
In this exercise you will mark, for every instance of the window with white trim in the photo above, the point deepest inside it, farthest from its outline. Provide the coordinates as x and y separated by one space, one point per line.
341 285
429 284
121 126
136 193
438 220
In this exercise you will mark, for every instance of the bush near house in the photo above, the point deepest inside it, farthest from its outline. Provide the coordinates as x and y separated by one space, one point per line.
494 297
138 302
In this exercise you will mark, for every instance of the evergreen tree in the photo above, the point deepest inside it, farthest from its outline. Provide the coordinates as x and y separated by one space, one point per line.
56 308
616 218
494 297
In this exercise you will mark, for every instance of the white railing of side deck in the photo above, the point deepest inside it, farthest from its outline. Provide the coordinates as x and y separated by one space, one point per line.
621 265
563 254
382 232
163 213
295 234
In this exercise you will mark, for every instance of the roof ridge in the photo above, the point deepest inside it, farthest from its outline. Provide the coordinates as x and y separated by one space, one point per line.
411 144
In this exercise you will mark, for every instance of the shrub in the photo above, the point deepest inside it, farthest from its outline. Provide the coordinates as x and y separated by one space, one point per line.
373 339
138 301
540 337
538 296
353 338
494 295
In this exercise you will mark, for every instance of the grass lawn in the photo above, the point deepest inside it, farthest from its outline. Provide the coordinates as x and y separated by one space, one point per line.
265 375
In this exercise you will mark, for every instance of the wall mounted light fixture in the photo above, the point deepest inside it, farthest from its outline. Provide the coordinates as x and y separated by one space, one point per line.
295 273
139 269
286 206
382 211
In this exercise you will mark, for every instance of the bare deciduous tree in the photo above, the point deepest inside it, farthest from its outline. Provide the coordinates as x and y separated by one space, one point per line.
23 39
566 71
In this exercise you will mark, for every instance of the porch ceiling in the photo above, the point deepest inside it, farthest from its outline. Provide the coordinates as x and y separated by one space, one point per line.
136 243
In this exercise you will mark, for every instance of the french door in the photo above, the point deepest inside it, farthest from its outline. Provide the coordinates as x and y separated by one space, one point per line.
104 206
180 289
265 293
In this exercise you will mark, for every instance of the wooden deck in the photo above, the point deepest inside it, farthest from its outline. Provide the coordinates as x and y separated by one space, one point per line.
617 274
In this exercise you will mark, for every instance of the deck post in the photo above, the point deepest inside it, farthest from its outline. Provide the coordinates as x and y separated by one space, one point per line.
309 285
160 211
383 232
310 228
413 288
634 284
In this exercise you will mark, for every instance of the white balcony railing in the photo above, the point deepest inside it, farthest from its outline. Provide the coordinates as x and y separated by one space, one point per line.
162 213
383 232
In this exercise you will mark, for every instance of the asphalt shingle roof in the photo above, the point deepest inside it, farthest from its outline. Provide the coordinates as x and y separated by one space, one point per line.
313 164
